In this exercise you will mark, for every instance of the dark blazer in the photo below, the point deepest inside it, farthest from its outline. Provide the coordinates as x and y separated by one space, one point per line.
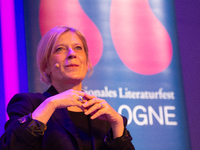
61 132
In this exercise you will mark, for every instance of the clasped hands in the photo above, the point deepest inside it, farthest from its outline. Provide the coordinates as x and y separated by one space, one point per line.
91 105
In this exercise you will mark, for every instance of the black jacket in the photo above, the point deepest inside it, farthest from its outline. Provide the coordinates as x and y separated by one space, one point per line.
61 132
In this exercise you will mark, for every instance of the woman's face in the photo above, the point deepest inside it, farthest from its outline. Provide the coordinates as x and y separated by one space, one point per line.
68 63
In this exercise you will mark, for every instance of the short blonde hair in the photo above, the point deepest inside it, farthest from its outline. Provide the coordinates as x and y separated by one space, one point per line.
47 45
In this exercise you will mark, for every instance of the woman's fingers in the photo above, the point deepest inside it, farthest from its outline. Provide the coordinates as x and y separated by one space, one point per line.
70 98
99 108
93 107
101 114
88 97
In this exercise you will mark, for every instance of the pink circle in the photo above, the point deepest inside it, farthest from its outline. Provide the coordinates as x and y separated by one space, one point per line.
70 13
141 41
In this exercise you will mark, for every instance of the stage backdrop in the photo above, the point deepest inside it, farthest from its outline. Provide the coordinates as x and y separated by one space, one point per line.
134 51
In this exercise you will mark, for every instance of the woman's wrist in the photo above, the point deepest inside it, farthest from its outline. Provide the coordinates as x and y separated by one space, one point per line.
117 127
52 103
44 111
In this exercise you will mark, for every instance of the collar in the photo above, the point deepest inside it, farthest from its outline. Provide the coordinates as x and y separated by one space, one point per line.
50 92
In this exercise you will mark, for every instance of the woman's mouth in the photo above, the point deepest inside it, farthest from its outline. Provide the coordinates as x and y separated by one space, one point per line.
71 65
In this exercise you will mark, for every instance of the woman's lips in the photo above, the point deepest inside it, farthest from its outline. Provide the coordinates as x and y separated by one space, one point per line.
72 65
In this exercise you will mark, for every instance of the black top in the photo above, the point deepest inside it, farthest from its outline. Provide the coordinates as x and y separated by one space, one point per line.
82 123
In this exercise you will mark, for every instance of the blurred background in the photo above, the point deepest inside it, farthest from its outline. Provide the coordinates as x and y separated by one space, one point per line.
188 27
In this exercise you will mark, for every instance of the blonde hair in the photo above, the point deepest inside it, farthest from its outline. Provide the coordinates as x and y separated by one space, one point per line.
47 45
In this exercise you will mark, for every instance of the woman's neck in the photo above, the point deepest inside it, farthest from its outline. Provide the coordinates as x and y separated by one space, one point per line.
64 87
74 109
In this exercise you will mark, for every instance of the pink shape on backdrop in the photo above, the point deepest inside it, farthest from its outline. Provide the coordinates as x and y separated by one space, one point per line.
141 41
70 13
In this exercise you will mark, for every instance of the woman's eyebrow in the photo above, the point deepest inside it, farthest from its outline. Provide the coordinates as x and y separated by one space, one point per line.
60 45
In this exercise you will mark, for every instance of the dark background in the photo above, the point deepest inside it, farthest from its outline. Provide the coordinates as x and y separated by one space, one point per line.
188 26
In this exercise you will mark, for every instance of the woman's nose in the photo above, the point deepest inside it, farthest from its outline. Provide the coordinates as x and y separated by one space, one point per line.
71 53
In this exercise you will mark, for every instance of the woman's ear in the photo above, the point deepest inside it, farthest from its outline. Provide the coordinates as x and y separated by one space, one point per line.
47 69
89 69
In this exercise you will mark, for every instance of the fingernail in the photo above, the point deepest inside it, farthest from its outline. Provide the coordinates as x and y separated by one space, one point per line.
85 104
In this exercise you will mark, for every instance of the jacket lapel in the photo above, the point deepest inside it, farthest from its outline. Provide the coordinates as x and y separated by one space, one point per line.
62 116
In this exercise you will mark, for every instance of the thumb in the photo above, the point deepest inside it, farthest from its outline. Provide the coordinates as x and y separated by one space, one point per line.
88 96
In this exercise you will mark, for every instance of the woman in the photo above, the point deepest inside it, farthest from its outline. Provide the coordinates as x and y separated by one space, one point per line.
64 117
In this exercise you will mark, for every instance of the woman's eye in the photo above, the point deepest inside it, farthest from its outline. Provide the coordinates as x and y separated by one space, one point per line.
78 47
60 49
